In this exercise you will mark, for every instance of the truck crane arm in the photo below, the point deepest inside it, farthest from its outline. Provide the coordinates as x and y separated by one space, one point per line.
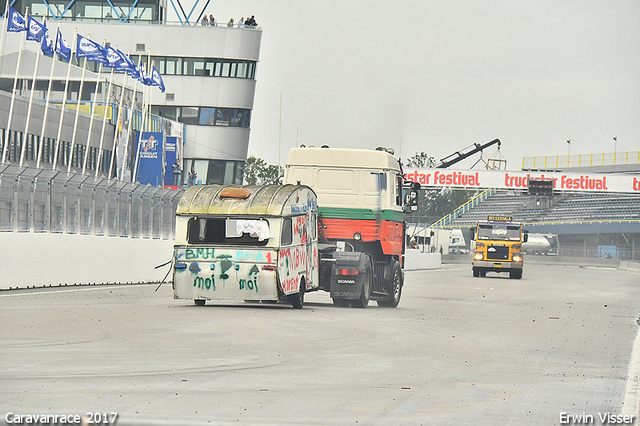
459 156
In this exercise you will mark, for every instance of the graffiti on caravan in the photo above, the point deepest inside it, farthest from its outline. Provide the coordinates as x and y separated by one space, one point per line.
618 182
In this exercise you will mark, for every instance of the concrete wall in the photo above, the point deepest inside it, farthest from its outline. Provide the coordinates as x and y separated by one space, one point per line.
415 260
38 260
629 266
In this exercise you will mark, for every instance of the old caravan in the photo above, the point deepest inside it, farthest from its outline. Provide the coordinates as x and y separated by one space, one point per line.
252 243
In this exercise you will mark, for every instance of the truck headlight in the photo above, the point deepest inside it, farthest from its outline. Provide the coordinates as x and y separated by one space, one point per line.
357 236
517 258
477 256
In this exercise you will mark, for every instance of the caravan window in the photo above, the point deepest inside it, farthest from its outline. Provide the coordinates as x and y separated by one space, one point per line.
228 231
287 232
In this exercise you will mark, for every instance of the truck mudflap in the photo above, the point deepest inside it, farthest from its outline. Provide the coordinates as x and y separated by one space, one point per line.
224 274
355 279
352 277
347 275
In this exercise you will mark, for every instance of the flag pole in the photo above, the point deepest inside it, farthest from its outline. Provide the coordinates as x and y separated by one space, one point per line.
104 121
46 107
33 90
13 98
115 136
64 103
129 126
91 112
146 91
135 166
75 123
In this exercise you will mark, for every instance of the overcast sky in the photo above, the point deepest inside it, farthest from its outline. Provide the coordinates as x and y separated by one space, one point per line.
439 75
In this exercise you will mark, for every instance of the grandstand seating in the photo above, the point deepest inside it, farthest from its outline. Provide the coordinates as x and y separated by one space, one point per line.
574 207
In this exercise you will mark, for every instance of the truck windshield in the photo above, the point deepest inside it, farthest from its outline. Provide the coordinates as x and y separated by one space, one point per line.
228 231
499 232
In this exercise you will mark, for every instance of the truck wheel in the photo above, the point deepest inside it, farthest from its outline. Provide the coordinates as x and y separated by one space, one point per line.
199 302
297 300
363 301
476 273
394 287
515 274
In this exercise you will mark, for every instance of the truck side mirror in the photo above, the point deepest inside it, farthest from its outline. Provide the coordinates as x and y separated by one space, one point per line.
525 236
410 196
473 234
410 201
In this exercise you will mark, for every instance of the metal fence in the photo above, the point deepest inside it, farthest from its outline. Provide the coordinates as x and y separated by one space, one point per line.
44 200
581 160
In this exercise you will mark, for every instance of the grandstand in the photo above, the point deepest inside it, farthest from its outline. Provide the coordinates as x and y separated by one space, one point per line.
584 221
540 209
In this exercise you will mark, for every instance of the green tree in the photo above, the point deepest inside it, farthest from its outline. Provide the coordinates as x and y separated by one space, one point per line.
421 161
435 203
258 172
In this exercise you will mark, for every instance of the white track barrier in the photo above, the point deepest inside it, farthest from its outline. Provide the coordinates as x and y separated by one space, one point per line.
40 260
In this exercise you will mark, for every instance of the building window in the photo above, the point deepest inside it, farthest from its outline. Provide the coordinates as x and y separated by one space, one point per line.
225 69
189 115
173 66
214 172
207 116
212 67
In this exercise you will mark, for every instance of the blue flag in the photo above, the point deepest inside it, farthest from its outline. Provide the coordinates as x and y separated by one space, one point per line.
45 44
143 77
62 47
91 50
35 30
135 73
127 65
157 79
16 21
113 59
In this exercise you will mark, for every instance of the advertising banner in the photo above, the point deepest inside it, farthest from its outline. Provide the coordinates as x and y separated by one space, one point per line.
446 178
150 158
172 152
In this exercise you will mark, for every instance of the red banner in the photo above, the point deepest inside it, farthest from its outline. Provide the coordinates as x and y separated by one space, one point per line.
441 178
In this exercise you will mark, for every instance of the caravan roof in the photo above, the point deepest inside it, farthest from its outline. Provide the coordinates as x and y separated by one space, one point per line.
256 200
342 157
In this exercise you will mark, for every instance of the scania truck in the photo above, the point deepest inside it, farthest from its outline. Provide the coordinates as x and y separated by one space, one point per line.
361 228
336 224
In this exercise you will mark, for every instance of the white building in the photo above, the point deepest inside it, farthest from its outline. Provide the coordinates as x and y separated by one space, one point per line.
209 73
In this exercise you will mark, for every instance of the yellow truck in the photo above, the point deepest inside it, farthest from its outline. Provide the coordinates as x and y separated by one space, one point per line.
497 247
